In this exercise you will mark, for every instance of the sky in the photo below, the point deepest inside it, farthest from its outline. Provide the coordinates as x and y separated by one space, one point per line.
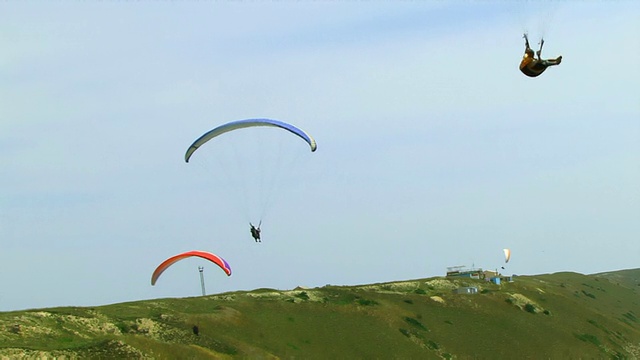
433 149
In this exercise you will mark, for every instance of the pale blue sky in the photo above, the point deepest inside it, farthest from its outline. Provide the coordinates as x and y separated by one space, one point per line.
433 149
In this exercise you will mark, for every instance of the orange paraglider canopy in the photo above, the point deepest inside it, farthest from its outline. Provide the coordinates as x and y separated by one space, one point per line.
203 254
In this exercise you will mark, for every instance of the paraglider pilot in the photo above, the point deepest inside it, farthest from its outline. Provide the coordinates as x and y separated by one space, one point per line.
255 232
533 67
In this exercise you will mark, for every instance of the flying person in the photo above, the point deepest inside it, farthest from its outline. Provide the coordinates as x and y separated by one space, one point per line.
255 232
533 67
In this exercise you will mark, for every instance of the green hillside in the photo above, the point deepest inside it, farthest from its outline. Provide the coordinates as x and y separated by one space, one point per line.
556 316
629 278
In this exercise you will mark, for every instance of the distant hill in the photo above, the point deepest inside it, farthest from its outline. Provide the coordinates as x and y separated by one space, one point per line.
557 316
629 278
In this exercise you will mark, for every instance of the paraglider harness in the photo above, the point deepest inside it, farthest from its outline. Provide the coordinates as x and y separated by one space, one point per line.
533 67
255 232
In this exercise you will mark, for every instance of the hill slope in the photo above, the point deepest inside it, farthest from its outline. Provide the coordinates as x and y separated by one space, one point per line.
629 278
559 316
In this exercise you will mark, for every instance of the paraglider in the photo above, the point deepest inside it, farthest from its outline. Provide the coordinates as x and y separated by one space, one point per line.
240 124
507 255
533 67
255 232
253 168
202 254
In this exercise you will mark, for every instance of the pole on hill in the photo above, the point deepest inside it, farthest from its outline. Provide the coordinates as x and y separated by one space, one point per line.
201 270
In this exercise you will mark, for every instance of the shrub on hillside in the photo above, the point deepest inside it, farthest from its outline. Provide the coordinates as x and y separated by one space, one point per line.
530 308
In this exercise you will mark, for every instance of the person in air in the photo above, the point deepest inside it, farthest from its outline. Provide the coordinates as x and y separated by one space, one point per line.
533 67
255 232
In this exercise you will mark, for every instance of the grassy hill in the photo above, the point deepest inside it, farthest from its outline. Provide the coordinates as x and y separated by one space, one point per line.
629 278
557 316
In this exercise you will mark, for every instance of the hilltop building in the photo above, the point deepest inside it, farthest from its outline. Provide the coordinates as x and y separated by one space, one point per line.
488 274
466 290
463 271
478 274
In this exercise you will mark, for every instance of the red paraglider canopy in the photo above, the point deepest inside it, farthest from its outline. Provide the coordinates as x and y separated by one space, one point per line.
203 254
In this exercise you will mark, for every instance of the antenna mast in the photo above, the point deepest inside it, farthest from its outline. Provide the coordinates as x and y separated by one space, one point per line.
201 269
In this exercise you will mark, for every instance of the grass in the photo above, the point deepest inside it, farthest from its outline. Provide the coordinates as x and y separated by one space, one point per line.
390 320
415 323
589 338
